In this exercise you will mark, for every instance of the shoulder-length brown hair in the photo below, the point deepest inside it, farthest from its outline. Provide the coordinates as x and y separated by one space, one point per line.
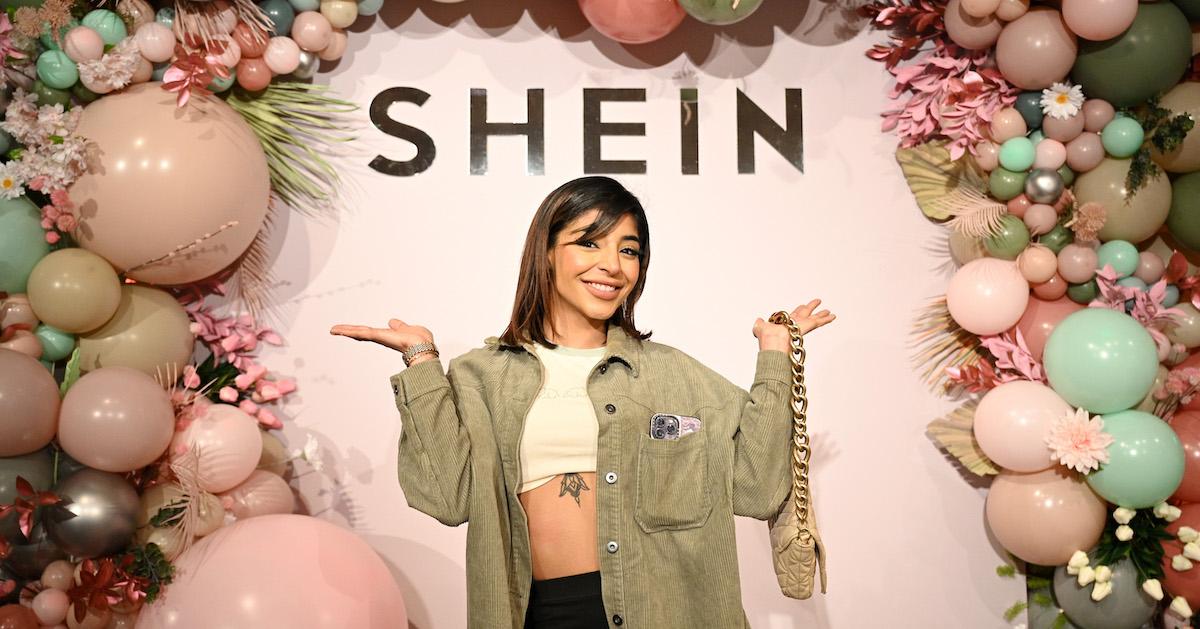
535 284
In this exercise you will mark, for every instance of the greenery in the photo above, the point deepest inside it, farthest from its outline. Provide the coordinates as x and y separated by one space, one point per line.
150 564
167 515
1165 132
1144 549
215 375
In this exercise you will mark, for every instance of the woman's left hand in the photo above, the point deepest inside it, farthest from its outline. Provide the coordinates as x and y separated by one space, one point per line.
776 336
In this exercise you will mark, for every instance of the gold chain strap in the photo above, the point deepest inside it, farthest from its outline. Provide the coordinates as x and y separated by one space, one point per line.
800 443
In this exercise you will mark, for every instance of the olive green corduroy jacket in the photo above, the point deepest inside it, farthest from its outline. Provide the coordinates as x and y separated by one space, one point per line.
668 557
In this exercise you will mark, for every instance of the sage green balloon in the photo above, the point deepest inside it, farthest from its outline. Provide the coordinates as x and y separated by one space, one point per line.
1029 105
1184 219
1067 175
1190 8
1148 58
82 93
1005 184
1056 238
1145 461
56 69
22 243
1010 240
1125 607
47 95
1083 293
108 24
56 344
1101 360
720 12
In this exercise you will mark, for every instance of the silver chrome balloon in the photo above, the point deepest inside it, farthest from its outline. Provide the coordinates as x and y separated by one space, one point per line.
308 65
98 515
1044 186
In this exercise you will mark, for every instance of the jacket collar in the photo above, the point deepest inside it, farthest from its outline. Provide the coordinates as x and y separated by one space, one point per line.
618 345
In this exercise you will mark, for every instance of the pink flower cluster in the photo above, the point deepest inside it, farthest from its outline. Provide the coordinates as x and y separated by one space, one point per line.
1147 306
58 215
1011 361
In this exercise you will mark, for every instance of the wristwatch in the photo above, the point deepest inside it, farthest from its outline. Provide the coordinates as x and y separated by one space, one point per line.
420 348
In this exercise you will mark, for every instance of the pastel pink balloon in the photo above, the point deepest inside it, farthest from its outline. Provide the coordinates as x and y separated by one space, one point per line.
980 8
631 21
1051 289
987 296
1011 423
1150 267
59 575
1085 152
279 571
1063 129
336 47
970 31
142 72
25 342
156 41
1018 205
263 493
1098 20
83 44
29 404
116 419
1076 263
15 308
1040 218
282 55
253 73
50 606
1050 154
1097 114
253 42
311 31
1040 318
1010 10
231 54
228 442
1036 49
987 155
1037 264
1007 123
1044 517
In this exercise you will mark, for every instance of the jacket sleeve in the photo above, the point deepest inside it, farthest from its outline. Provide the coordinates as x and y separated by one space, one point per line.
434 462
762 473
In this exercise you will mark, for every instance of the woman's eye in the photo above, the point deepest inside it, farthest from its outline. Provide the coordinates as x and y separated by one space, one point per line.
633 252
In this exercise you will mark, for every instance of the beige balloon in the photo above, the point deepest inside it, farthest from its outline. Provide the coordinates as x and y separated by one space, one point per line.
263 493
275 458
166 177
210 514
1186 327
74 290
1182 99
1164 245
1160 380
149 332
1133 219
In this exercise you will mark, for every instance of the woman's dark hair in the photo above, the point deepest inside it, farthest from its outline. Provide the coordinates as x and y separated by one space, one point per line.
535 283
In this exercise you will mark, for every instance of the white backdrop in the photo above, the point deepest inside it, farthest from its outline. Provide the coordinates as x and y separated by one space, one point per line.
905 530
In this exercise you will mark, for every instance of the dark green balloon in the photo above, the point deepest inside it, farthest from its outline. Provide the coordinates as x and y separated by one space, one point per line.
719 12
1005 184
1010 240
1148 58
47 95
1029 105
1083 293
1056 238
281 13
85 95
1068 175
1184 219
1190 8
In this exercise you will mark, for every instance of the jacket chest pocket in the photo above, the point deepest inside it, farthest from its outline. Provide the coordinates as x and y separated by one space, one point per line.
672 483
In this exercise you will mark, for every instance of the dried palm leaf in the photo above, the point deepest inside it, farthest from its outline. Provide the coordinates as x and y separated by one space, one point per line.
948 189
253 278
955 434
972 213
200 24
940 343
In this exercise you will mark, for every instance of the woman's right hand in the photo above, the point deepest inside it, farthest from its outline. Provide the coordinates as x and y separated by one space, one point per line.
398 335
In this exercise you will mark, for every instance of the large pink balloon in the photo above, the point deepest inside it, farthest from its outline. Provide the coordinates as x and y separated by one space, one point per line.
263 493
278 571
987 296
116 419
1039 320
228 442
28 404
968 31
1011 423
1036 49
168 176
1098 20
1046 516
633 21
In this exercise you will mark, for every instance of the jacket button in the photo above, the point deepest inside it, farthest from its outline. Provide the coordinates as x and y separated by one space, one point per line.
603 368
610 409
610 478
611 547
617 620
395 389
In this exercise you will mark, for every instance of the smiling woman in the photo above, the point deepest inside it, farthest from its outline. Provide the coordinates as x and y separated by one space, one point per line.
580 515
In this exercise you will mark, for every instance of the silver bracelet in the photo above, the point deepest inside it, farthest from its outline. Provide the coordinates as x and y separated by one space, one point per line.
420 348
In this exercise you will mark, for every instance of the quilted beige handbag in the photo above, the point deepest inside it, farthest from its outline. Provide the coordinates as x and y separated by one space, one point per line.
798 550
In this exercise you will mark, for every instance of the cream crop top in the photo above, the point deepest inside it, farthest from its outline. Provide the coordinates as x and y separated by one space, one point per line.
561 428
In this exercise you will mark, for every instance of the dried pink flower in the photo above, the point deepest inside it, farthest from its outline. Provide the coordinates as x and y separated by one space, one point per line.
1078 441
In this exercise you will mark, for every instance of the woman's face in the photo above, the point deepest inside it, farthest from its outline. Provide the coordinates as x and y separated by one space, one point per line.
592 278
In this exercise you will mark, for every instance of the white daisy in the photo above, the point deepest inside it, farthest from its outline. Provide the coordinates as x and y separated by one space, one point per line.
1062 100
11 184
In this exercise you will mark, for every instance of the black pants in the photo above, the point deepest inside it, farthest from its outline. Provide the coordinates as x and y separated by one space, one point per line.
573 602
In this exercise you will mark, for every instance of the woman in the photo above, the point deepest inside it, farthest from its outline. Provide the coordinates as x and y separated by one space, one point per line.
600 471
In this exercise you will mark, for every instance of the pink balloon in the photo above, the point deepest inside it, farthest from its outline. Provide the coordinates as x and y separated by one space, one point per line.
1007 123
29 404
1150 267
1046 516
1098 20
15 308
987 296
1051 289
1040 218
282 55
263 493
143 72
1085 152
1039 320
633 21
970 31
1010 10
1036 49
1050 154
83 44
50 606
252 42
156 41
279 571
1076 263
987 155
231 54
1186 424
1063 129
229 444
253 74
311 31
116 419
25 342
1097 114
1018 205
1011 423
1037 264
980 8
336 48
